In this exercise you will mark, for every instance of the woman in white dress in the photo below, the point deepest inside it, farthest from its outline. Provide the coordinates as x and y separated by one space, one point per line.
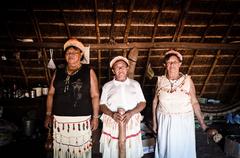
174 105
126 94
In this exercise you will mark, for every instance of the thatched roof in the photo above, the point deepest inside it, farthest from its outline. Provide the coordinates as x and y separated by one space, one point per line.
206 32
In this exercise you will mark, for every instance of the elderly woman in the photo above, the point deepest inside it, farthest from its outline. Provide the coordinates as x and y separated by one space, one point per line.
73 101
121 102
174 105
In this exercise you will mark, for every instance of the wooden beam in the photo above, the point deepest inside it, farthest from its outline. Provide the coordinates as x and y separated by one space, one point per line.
129 19
181 21
132 57
202 39
210 73
38 34
227 73
20 77
161 4
12 38
128 25
96 21
18 58
104 10
157 20
218 53
99 68
111 34
146 67
64 19
98 40
139 45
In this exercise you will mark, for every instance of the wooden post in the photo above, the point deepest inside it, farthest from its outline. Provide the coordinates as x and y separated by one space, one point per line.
132 58
122 136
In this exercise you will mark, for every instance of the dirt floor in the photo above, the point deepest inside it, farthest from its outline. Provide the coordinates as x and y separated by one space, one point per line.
34 146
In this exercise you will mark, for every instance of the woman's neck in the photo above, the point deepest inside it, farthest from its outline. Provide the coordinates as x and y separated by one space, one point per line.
73 68
173 76
121 79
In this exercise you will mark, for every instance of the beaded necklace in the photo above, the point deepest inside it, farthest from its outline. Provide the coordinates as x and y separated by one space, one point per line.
66 87
173 82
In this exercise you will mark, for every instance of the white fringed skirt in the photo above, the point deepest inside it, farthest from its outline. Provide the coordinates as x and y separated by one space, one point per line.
109 137
72 137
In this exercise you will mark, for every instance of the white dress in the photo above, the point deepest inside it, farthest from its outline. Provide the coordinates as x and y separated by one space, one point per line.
124 95
175 117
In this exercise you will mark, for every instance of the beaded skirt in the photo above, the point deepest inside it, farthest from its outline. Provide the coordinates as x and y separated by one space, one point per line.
72 137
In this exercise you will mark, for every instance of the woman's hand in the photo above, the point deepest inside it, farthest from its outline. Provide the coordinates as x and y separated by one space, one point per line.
94 124
154 127
117 116
48 121
127 116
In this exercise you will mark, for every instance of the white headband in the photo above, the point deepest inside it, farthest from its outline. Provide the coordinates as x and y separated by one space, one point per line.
176 53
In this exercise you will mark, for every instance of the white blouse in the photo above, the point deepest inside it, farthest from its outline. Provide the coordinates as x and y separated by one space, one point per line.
126 94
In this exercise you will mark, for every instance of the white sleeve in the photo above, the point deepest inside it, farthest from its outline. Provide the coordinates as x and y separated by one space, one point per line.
103 99
140 96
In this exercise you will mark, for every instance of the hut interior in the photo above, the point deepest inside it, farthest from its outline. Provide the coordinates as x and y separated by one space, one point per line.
205 32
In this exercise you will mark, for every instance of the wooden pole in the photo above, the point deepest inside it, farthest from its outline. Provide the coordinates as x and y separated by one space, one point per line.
132 58
122 136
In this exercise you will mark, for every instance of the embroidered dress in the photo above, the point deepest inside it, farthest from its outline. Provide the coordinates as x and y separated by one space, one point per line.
124 95
175 116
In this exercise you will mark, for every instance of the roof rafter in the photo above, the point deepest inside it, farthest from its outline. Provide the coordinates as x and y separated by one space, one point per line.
12 38
139 45
160 7
181 21
228 73
111 34
218 53
202 38
98 39
128 22
39 37
18 58
64 19
96 21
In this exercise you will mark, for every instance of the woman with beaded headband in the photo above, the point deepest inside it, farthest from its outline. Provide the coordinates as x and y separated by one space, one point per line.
174 105
73 102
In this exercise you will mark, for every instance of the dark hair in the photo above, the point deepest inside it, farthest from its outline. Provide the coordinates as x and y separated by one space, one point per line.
75 48
166 57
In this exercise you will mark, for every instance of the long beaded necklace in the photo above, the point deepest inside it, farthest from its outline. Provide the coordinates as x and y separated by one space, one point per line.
66 87
173 82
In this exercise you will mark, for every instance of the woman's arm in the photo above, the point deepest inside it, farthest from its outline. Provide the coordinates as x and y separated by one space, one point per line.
154 107
196 106
115 115
95 99
49 103
128 114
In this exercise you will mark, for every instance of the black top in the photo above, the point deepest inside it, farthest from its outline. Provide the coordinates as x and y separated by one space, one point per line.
72 93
